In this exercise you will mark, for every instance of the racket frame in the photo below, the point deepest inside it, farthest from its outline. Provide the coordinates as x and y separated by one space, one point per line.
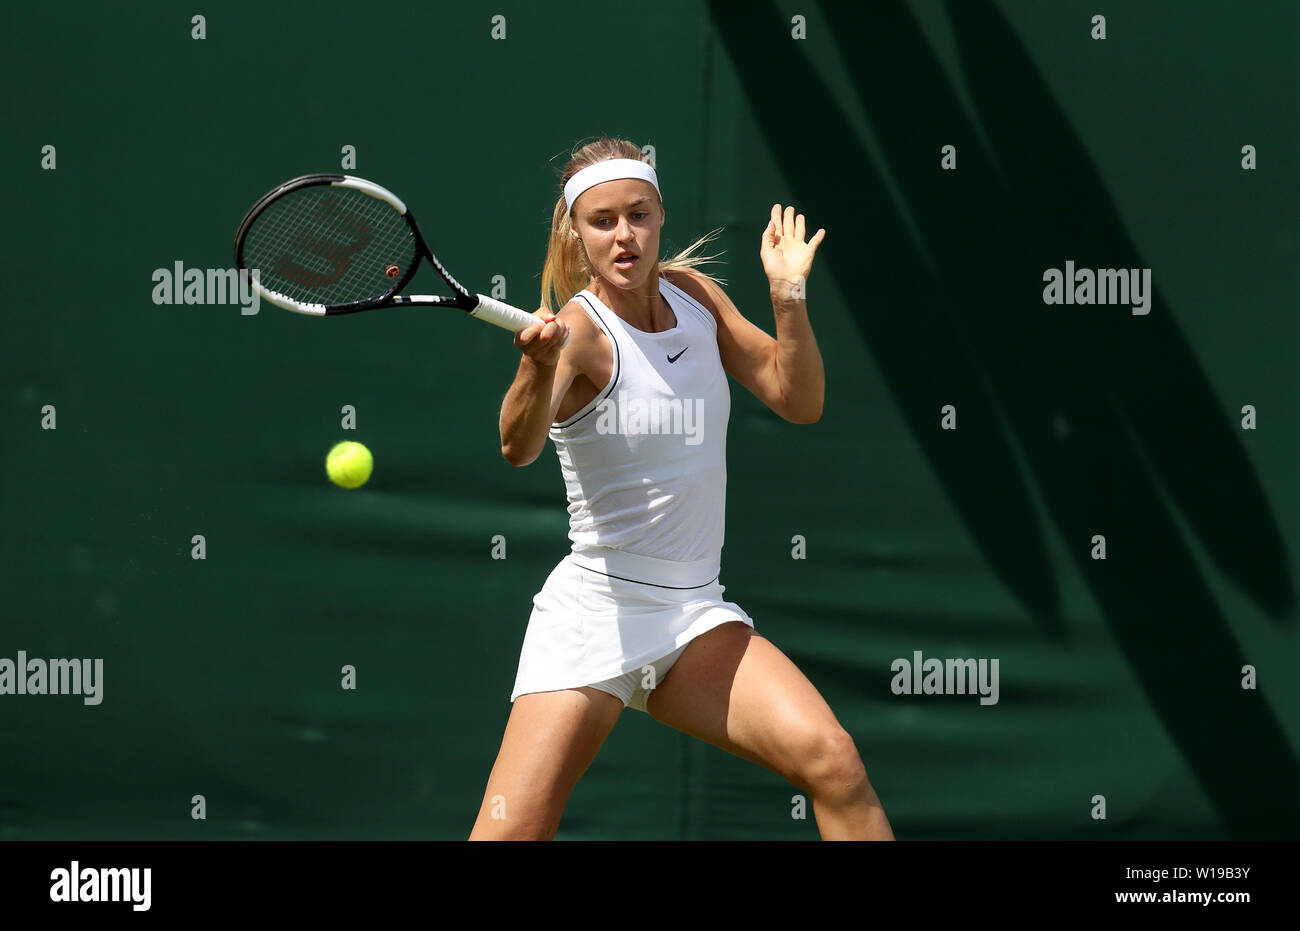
479 305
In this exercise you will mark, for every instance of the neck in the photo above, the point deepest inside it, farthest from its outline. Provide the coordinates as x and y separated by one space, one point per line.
640 306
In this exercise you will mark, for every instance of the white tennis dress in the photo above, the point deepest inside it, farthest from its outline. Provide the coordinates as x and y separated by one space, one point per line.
645 469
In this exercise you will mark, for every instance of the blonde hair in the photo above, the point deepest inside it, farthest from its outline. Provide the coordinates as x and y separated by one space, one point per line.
567 270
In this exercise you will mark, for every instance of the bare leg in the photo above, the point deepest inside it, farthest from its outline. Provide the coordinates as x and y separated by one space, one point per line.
736 690
550 740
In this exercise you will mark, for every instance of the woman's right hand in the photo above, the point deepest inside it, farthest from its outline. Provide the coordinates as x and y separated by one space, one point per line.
542 341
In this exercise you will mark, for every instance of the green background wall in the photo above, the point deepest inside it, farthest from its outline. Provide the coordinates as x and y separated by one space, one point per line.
1118 677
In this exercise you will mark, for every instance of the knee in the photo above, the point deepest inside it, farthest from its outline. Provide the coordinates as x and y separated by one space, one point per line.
833 770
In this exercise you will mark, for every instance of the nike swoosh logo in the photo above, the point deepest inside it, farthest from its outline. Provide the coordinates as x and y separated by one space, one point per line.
678 356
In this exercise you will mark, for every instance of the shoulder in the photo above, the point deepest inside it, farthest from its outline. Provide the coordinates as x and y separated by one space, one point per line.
585 337
573 312
574 315
701 288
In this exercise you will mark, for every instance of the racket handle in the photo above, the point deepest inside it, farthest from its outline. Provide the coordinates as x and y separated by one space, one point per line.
503 315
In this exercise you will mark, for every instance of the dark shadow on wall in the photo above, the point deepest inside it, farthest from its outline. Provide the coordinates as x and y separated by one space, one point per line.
1104 414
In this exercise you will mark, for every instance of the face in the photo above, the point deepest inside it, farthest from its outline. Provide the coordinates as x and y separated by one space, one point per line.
617 219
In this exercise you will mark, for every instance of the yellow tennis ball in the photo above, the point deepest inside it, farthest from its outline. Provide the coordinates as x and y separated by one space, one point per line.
349 464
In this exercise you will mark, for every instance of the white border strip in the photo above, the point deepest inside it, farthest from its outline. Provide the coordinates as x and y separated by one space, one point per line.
374 190
288 303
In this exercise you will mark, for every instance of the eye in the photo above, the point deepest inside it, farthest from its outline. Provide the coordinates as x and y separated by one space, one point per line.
638 215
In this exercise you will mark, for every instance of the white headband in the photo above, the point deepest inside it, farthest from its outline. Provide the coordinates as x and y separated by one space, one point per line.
613 169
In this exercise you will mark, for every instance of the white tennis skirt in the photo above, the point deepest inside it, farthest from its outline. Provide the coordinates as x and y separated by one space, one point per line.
604 612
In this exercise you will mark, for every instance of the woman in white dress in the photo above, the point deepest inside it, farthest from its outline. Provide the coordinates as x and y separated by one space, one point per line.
629 381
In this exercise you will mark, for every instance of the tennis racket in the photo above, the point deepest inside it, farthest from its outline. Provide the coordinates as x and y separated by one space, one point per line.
330 244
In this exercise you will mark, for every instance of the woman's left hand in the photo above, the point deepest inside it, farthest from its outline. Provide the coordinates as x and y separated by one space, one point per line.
787 259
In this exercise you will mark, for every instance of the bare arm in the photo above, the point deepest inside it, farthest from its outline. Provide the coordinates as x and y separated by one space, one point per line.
546 371
785 373
797 363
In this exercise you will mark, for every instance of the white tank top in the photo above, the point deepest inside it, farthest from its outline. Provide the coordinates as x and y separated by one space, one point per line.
645 462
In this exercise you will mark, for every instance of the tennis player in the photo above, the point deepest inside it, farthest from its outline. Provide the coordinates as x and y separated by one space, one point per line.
629 381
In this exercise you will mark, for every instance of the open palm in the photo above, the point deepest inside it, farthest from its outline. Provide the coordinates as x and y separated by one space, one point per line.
787 259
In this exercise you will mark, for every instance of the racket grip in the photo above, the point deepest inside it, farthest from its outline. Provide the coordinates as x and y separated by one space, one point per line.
503 315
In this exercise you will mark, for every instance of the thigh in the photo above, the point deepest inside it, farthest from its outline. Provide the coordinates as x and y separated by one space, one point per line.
550 740
734 688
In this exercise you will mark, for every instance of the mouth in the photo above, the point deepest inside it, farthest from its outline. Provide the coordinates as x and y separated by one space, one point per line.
624 260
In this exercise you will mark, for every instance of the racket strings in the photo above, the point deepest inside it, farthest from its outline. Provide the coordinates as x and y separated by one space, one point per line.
330 245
